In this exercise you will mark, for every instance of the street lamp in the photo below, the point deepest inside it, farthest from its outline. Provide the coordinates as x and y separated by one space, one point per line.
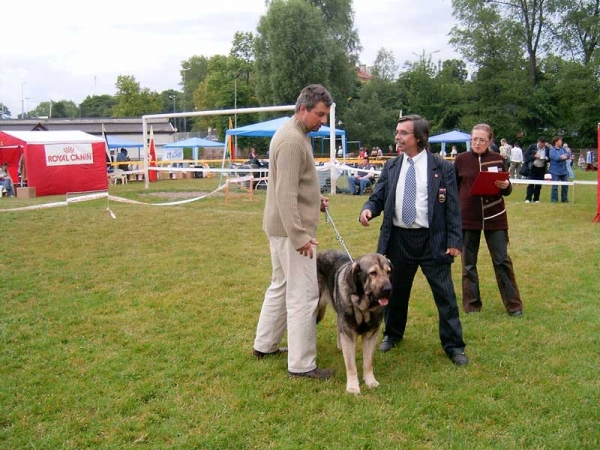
423 55
235 78
22 100
173 97
184 105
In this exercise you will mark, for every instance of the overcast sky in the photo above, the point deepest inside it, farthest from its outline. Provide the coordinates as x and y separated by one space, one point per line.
69 49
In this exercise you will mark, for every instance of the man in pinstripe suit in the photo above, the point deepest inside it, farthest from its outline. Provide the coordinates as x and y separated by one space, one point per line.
420 229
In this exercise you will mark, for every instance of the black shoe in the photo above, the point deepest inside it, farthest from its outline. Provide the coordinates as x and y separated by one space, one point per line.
459 358
320 374
261 355
388 343
516 313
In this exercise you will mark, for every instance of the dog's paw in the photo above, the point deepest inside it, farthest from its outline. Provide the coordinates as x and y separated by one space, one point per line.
353 388
371 382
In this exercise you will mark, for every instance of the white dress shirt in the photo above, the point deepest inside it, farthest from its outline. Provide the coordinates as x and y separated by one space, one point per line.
422 220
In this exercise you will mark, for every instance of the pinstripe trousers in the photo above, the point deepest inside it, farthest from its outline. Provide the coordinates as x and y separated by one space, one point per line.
408 250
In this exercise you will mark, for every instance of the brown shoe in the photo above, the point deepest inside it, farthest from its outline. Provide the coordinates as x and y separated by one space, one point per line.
321 374
261 355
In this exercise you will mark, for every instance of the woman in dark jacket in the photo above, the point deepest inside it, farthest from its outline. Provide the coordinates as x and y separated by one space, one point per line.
485 213
536 157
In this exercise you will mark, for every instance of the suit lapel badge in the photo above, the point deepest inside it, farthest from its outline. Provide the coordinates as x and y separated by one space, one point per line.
442 195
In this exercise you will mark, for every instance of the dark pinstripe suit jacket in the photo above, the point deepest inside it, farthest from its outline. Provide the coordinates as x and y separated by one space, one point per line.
443 207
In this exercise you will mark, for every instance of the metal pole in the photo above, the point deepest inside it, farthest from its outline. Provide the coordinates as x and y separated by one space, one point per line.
235 146
184 101
22 101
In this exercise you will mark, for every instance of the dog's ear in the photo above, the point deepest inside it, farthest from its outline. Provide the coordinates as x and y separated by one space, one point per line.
356 284
391 268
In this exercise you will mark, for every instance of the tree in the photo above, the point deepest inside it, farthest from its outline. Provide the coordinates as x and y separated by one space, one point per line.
344 45
577 28
60 109
242 50
43 109
372 119
222 89
132 101
491 27
4 112
573 90
300 42
170 99
288 57
193 72
97 106
385 65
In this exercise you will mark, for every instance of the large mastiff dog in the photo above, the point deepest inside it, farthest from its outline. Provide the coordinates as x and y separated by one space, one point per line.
358 290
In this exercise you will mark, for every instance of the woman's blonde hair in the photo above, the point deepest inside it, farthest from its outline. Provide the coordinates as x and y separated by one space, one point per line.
485 127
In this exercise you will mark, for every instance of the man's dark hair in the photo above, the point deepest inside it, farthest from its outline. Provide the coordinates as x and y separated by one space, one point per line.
420 129
311 95
542 139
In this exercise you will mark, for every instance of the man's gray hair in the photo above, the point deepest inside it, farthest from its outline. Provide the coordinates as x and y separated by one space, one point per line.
311 95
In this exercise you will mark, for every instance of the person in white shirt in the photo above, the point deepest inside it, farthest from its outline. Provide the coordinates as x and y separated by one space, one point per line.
516 160
6 181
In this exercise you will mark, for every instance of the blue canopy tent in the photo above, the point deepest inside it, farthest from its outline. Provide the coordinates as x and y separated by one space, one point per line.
118 142
451 136
268 129
195 143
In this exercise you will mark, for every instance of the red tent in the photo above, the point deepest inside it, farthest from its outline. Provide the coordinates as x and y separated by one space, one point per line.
56 162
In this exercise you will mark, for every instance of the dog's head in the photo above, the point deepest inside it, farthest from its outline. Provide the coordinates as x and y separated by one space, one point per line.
372 279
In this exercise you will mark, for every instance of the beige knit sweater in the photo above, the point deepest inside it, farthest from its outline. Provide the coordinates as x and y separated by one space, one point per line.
293 194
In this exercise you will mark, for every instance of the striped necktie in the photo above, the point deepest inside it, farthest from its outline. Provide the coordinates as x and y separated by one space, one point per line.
409 201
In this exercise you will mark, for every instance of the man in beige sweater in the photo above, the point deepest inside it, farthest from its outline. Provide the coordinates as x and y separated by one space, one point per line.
290 221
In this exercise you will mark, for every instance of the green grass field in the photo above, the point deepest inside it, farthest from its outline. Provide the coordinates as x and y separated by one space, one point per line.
137 333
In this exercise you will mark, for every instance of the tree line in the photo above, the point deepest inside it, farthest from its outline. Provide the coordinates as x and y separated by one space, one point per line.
529 68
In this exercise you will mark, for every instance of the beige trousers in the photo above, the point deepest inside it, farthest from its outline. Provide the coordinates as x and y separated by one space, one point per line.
292 300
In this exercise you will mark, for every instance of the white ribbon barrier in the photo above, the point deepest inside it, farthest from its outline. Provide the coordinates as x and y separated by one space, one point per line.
339 169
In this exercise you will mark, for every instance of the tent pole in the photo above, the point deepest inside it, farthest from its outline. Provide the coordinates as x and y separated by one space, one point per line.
332 148
145 137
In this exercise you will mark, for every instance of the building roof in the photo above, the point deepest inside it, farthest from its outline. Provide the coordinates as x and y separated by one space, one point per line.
363 75
92 126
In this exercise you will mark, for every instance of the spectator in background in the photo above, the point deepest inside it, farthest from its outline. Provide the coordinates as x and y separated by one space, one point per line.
570 159
559 157
505 150
516 160
253 158
589 160
453 152
537 155
364 176
581 162
122 159
6 181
